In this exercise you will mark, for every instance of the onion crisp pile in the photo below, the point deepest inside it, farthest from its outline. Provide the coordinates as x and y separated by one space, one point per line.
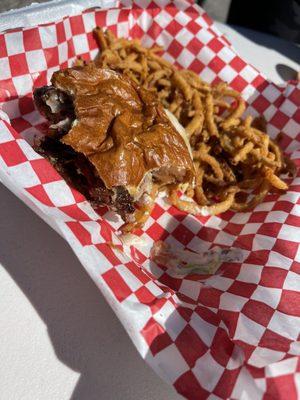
236 162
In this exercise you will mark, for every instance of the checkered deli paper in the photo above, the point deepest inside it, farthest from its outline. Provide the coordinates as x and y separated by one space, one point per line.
233 335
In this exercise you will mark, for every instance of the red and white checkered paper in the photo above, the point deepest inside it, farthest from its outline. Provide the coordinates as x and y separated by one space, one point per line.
234 335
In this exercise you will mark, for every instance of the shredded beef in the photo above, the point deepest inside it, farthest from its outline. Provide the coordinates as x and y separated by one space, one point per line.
80 173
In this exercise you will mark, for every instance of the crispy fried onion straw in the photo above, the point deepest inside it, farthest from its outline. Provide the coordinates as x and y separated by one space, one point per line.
236 162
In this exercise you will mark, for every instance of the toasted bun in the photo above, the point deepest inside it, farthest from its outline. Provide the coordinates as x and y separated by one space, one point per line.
121 128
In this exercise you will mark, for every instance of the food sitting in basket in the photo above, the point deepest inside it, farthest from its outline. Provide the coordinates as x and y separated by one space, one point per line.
129 124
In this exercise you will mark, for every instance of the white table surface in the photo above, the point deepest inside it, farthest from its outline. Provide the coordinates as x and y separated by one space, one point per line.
59 338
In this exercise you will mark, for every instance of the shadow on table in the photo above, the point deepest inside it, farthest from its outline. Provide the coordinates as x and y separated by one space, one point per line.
86 335
286 72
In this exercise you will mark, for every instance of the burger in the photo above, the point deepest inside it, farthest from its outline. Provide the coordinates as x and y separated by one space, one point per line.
112 140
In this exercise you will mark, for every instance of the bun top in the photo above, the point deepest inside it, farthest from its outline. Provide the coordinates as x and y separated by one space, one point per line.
121 128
